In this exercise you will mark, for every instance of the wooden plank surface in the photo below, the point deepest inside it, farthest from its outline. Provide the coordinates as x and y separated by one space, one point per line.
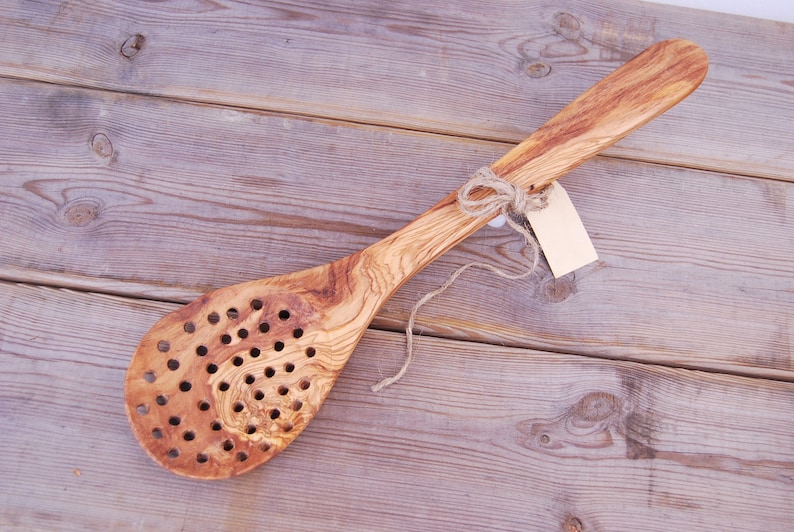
469 441
152 151
485 70
694 270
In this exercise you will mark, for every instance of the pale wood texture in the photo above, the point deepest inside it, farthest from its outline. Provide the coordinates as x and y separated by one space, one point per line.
245 140
695 266
469 70
505 439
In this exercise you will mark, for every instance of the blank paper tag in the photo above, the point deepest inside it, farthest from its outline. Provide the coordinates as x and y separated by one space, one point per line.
561 234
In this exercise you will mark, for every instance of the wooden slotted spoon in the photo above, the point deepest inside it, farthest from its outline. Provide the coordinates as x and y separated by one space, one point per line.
225 383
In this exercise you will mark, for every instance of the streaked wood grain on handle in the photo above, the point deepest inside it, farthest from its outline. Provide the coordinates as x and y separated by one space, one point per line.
634 94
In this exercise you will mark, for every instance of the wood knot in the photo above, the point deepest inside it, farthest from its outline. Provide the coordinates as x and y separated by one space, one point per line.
590 425
101 145
538 69
567 26
557 290
80 213
596 406
573 524
132 45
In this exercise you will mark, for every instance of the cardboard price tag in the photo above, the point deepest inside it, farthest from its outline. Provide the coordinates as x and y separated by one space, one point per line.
561 234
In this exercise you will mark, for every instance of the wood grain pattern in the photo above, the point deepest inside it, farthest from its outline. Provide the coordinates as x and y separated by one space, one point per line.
208 398
614 445
175 181
470 71
631 96
182 203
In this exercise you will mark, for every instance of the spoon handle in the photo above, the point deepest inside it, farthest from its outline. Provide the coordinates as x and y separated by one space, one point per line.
640 90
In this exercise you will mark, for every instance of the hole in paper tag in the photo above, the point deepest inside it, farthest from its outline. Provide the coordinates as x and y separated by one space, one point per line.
499 221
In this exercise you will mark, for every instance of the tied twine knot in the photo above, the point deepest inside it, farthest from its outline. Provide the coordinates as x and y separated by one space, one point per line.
506 197
513 203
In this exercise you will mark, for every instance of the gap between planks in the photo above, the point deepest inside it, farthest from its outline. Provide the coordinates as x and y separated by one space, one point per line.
473 57
378 325
332 120
616 445
695 263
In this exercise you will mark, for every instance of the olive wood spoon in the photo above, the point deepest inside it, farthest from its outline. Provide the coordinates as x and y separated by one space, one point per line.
225 383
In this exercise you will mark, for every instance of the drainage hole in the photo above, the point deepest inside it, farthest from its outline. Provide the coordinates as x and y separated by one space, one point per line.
174 420
163 346
264 327
228 445
173 452
232 314
283 315
249 379
202 350
189 435
185 386
212 368
216 425
289 367
279 346
304 384
310 352
150 376
250 429
238 406
223 386
259 395
204 406
161 400
142 409
213 317
297 333
237 361
242 333
242 456
202 458
269 372
275 413
157 433
189 327
256 304
283 390
255 352
173 364
226 339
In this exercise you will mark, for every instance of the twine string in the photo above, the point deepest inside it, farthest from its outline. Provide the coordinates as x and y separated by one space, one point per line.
506 198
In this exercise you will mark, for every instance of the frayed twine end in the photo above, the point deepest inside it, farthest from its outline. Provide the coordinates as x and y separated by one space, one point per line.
513 203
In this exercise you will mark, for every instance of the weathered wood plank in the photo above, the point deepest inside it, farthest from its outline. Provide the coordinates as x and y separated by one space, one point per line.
477 69
475 437
152 198
145 197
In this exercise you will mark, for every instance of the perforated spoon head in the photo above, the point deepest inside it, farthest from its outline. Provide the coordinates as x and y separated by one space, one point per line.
225 383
